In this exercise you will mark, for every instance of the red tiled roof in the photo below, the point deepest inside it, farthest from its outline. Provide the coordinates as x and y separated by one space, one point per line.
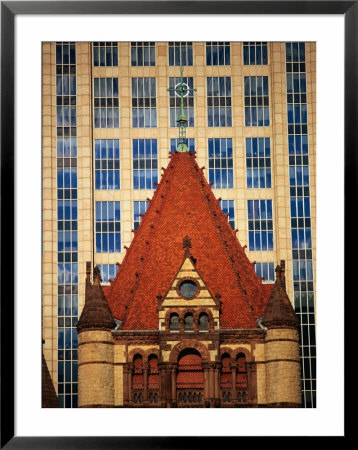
184 204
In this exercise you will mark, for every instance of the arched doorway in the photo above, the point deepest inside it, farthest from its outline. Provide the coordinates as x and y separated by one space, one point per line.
190 379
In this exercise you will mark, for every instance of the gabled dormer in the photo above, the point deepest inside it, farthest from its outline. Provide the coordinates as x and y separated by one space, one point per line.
188 305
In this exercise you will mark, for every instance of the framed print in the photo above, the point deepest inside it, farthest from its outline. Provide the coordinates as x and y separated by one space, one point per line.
168 211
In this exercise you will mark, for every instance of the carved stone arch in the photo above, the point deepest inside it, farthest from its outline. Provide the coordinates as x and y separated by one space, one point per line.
208 312
151 351
189 343
226 350
136 351
248 355
203 310
170 312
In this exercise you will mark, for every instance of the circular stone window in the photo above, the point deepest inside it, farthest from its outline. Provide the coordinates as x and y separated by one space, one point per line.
188 289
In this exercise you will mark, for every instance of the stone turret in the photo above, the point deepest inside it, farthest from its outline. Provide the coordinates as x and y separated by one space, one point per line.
283 385
95 347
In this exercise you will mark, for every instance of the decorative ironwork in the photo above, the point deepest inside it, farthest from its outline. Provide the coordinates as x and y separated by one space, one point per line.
182 90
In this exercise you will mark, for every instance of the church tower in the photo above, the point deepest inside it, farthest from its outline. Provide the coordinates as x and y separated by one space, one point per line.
281 347
196 327
95 347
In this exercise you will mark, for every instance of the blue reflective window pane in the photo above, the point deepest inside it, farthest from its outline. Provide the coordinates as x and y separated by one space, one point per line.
135 180
270 240
117 242
252 54
268 178
230 183
251 241
96 56
60 341
60 366
257 237
111 242
264 54
68 372
96 87
250 209
246 55
249 178
227 55
104 242
98 243
61 305
264 245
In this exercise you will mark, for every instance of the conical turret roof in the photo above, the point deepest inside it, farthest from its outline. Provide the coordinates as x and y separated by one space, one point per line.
96 312
279 311
184 205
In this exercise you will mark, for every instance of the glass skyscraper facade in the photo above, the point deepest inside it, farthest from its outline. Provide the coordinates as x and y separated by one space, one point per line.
108 129
67 224
300 202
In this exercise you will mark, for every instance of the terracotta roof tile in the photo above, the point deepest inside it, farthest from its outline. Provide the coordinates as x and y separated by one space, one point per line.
184 205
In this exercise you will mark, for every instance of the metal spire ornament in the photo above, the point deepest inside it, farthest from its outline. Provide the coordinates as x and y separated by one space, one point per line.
182 90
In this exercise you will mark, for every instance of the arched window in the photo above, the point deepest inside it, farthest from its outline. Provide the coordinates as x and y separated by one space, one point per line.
226 376
241 373
203 321
174 322
190 378
188 322
138 379
153 379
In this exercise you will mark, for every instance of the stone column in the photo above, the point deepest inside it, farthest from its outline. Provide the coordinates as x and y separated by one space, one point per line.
130 392
173 371
217 385
207 384
145 391
181 325
233 374
163 380
168 390
252 382
126 384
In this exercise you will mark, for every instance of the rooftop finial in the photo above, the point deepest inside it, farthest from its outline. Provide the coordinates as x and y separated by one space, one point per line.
182 90
187 242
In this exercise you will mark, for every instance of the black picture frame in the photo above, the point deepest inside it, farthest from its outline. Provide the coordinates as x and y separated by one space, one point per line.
9 10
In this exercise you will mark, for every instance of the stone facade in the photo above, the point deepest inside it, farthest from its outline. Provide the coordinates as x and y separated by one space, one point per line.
268 377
